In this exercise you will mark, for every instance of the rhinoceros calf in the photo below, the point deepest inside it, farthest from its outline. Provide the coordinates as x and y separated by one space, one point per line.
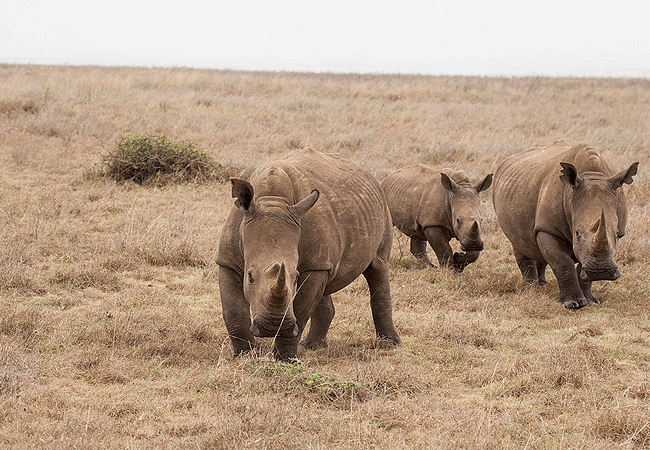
303 228
436 205
562 205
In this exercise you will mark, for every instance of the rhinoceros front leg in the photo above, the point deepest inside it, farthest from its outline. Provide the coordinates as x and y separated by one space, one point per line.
377 276
558 257
419 250
311 286
235 310
438 239
585 286
321 319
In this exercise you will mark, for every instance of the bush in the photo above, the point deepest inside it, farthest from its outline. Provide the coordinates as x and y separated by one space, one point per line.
155 159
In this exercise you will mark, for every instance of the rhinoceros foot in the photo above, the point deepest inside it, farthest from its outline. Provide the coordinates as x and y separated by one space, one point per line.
573 304
578 303
592 299
314 344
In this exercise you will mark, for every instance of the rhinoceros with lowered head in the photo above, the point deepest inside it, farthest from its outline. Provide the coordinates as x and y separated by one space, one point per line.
435 205
561 206
304 227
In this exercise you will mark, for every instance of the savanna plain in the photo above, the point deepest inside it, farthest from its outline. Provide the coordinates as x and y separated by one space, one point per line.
111 333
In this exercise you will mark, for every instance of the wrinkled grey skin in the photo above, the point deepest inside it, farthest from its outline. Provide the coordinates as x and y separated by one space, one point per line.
562 206
303 228
434 206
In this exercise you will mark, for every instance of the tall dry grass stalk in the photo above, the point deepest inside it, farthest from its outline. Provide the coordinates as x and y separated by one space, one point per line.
111 333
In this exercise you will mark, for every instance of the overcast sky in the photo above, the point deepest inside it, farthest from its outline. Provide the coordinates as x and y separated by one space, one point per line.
473 37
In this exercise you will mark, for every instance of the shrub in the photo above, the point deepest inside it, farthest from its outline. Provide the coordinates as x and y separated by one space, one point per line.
146 159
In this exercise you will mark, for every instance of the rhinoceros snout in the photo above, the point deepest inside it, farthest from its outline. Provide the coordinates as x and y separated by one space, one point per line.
610 274
473 246
285 329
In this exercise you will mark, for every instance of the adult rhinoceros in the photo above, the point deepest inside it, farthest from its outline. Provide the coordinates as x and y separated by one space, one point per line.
562 205
303 228
436 205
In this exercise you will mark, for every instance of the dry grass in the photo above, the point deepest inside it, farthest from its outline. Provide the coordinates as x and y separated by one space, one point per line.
111 333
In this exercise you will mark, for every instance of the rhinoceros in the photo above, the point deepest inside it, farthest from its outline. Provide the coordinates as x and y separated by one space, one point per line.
561 205
436 205
304 227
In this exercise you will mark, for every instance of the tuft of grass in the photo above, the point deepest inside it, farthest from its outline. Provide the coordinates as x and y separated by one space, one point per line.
157 160
316 386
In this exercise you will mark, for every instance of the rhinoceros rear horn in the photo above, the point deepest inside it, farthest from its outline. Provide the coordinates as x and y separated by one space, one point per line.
303 205
600 242
624 176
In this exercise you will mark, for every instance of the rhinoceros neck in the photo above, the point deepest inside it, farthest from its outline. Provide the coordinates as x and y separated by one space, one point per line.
273 199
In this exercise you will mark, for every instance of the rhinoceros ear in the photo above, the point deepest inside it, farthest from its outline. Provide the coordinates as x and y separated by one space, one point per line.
448 183
303 205
569 175
243 192
485 184
624 176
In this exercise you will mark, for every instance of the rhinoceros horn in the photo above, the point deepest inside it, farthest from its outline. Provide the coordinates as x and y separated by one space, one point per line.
279 290
474 231
600 242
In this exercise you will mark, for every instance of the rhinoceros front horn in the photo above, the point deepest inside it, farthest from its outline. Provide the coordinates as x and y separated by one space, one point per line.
600 242
279 290
474 231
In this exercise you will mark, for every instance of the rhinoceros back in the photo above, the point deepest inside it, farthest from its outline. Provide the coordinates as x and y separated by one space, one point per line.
342 232
417 199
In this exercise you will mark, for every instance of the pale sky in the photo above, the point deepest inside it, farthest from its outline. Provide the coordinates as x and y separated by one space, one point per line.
473 37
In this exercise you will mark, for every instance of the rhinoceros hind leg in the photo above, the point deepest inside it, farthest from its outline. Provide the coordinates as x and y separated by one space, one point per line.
321 319
541 273
529 268
419 250
377 276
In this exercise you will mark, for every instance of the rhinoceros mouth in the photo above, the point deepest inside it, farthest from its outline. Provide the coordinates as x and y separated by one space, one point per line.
599 275
284 328
472 247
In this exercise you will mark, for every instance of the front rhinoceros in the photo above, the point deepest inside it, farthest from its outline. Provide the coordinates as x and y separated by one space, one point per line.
436 205
562 205
303 228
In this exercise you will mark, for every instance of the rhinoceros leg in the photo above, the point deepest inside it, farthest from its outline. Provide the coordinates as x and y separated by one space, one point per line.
377 276
559 258
438 239
236 311
311 286
541 273
585 286
321 319
439 242
419 250
532 271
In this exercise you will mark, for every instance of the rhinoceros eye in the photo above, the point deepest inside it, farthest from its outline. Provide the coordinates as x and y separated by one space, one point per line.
250 277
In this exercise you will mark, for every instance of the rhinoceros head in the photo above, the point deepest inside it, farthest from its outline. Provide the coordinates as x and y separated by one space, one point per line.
270 232
466 210
597 218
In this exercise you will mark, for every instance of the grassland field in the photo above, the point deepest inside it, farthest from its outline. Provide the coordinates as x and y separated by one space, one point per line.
111 333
